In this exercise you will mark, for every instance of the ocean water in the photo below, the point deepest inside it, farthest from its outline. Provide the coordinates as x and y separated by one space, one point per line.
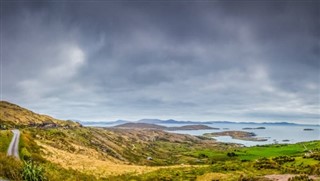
273 133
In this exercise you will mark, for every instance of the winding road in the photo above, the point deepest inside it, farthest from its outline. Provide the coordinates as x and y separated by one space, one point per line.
13 149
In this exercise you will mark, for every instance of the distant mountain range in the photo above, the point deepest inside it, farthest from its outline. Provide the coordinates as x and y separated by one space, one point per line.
155 126
103 122
171 121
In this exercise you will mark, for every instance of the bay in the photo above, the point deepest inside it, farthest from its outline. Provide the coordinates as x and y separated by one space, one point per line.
274 133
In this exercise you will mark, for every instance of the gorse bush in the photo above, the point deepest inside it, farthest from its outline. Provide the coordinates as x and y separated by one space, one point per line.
33 172
300 178
10 167
283 159
265 163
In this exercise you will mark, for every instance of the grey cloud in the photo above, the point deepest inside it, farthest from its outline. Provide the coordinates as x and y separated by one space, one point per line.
196 60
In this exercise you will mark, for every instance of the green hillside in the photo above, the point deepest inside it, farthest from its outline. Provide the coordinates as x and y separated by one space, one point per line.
14 115
68 151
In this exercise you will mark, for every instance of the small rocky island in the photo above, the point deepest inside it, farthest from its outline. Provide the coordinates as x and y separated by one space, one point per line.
240 135
191 127
308 129
254 128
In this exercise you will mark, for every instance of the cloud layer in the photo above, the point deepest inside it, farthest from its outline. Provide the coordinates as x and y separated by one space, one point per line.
239 61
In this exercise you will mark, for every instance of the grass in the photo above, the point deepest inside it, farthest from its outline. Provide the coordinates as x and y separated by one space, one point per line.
10 167
253 153
246 165
211 155
28 148
95 154
5 139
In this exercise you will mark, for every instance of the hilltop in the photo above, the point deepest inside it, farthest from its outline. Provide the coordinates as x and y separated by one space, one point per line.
14 115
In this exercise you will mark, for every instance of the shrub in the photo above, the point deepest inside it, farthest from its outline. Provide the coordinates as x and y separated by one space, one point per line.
265 163
300 178
251 178
315 156
26 155
231 154
283 159
32 172
10 167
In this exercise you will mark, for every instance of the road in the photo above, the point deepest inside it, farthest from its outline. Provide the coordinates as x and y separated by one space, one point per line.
13 149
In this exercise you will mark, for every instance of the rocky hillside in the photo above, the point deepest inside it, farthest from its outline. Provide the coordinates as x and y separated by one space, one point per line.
14 115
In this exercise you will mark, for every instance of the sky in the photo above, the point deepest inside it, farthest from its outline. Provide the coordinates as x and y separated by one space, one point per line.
184 60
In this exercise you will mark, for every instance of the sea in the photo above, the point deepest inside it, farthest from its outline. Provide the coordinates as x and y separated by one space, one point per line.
273 133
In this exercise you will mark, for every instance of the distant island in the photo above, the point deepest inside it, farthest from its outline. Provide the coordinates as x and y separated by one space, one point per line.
154 126
308 129
240 135
254 128
172 121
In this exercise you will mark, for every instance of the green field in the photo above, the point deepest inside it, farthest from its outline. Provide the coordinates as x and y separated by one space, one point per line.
253 153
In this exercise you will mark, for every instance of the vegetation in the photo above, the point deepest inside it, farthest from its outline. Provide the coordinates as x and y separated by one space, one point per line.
5 139
14 116
51 149
10 168
33 172
79 153
300 178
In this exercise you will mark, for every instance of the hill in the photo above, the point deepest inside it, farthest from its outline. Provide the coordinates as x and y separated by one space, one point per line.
140 126
88 153
14 115
191 127
63 145
169 121
155 126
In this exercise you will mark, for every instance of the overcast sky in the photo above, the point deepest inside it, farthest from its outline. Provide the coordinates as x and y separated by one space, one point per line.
185 60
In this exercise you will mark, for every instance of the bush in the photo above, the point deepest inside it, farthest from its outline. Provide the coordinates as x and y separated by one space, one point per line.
315 156
251 178
32 172
10 167
300 178
283 159
265 163
231 154
26 155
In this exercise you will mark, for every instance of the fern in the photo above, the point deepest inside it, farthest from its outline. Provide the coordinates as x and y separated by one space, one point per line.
33 172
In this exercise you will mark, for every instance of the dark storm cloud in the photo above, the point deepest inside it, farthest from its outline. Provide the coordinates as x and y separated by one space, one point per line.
243 61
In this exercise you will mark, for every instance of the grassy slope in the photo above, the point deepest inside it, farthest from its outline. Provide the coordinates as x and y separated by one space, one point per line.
113 152
237 167
13 115
254 153
77 153
5 139
164 152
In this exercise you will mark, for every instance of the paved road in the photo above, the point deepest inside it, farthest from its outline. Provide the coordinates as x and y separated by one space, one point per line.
13 149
